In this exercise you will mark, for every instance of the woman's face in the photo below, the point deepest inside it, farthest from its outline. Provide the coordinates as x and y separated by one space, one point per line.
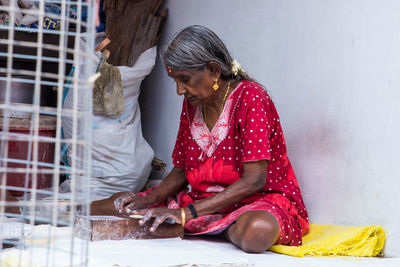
196 86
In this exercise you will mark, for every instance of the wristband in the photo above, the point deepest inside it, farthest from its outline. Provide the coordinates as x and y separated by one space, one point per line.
192 210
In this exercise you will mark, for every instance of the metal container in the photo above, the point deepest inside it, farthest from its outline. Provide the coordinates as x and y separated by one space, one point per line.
18 152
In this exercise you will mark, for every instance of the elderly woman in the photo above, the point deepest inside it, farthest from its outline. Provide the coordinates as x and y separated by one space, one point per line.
230 149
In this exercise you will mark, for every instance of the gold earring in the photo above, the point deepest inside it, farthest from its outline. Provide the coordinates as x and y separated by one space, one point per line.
215 85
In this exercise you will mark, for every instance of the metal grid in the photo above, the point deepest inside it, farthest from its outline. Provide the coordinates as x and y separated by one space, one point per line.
46 205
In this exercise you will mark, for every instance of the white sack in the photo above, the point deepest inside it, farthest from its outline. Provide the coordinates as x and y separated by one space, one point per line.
121 157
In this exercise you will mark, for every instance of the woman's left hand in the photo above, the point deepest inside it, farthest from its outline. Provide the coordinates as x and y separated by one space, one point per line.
160 215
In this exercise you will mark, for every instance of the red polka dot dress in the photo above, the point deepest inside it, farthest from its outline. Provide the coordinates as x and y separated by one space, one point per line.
248 130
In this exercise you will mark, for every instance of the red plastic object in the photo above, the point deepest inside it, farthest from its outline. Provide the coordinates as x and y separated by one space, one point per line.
18 150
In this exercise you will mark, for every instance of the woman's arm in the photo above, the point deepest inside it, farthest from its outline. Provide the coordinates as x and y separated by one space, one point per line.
171 185
252 181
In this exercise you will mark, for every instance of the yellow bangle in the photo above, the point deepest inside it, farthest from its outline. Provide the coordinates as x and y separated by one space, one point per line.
183 214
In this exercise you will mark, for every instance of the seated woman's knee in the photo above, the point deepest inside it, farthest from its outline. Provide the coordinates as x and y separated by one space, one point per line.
259 232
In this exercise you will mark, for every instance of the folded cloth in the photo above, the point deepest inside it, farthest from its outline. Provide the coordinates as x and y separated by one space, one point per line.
336 240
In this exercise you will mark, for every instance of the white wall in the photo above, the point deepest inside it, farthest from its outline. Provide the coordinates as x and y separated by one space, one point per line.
333 70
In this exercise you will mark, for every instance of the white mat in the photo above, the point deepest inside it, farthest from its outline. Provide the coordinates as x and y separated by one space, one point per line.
172 252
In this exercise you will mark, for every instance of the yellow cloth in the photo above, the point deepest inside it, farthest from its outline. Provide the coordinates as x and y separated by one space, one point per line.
335 240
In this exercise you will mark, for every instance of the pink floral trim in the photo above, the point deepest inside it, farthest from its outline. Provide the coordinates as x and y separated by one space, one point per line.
206 140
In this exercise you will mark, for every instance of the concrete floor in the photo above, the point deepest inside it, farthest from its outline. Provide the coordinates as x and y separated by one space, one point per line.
213 252
191 251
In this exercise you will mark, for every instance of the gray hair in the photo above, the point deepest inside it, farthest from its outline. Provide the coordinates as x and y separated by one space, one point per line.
194 47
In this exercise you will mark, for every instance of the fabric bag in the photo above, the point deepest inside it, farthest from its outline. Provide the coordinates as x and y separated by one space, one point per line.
121 157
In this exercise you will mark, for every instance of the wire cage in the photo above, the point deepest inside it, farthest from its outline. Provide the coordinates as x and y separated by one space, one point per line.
42 58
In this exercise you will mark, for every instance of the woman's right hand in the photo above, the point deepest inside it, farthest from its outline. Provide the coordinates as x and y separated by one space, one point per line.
128 202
